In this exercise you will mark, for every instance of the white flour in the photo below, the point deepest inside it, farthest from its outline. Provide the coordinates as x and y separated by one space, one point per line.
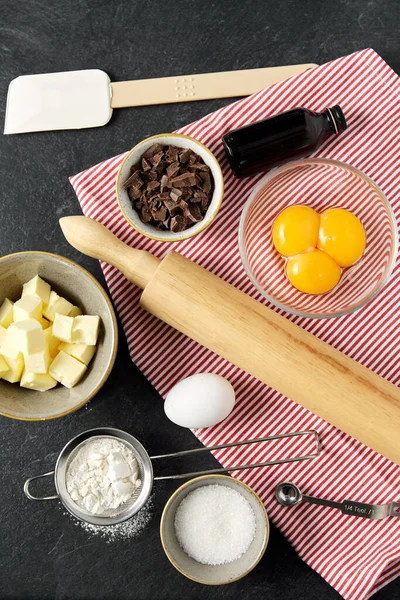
102 476
123 531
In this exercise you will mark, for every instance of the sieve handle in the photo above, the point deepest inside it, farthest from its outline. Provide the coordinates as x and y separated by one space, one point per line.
282 461
28 482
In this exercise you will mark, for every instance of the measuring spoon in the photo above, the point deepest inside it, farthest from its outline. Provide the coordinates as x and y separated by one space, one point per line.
289 494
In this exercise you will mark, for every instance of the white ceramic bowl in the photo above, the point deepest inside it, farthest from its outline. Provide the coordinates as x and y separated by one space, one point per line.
218 574
133 157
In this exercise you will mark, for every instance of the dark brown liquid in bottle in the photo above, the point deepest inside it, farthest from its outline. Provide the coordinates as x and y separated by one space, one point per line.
274 141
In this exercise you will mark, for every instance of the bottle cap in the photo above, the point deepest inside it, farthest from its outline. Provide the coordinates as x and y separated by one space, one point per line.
338 119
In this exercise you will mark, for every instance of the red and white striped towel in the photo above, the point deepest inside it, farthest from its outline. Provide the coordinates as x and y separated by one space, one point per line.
356 556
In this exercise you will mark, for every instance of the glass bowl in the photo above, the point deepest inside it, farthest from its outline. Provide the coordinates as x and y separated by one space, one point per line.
321 184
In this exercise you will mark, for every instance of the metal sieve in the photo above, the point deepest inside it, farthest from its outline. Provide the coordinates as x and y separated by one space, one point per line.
145 466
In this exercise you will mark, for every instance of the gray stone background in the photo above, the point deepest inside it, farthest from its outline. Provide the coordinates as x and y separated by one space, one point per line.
43 554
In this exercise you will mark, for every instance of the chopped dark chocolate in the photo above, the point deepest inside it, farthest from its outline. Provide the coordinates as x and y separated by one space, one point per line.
198 167
152 151
146 166
173 169
153 185
193 213
207 182
156 159
145 215
170 188
173 207
178 223
134 193
164 181
183 180
175 194
159 214
134 180
172 154
185 155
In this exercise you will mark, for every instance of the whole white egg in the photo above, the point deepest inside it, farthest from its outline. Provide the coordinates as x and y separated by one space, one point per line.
201 400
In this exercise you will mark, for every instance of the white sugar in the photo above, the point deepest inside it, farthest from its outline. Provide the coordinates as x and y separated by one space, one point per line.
215 524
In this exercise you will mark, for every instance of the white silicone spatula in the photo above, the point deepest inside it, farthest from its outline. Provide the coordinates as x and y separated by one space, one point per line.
79 99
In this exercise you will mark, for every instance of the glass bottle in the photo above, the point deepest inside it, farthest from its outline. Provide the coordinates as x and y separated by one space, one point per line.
279 139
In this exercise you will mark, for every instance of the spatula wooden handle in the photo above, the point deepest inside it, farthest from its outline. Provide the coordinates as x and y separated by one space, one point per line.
205 86
95 240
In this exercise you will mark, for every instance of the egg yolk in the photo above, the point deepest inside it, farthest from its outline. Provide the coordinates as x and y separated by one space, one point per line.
295 230
313 272
342 236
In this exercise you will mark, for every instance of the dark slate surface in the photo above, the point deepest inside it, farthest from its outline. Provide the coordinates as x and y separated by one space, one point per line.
43 554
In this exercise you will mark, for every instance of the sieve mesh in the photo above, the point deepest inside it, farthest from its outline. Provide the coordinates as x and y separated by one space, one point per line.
112 512
125 510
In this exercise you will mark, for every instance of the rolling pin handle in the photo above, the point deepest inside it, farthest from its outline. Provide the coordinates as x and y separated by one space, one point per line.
95 240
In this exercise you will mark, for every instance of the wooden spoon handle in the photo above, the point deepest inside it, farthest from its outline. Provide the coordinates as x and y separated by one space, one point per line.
95 240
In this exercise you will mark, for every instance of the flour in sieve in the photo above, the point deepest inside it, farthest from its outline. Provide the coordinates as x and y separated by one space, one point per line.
102 476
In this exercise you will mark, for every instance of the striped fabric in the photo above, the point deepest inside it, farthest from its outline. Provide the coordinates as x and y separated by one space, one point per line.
356 556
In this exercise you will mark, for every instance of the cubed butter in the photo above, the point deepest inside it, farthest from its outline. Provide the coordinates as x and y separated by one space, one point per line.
66 369
62 327
57 304
3 366
15 368
28 336
28 307
85 329
38 362
37 381
75 311
37 287
44 323
9 344
51 341
6 313
81 352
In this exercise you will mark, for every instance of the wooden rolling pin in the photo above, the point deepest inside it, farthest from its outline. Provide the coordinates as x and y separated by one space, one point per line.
253 337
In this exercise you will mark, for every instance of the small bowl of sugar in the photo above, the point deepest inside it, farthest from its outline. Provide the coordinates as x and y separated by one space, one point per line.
214 529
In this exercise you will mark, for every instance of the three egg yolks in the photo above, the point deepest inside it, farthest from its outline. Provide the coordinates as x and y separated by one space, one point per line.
317 246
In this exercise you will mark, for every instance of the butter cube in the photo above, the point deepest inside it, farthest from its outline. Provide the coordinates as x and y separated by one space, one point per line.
85 330
38 362
75 311
51 341
15 368
44 323
9 344
6 313
37 287
57 304
28 307
62 327
3 366
66 369
28 336
36 381
81 352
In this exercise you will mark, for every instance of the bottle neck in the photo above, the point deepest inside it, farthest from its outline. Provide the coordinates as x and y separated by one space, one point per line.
334 119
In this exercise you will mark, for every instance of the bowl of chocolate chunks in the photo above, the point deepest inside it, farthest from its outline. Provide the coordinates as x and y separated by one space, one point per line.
170 187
